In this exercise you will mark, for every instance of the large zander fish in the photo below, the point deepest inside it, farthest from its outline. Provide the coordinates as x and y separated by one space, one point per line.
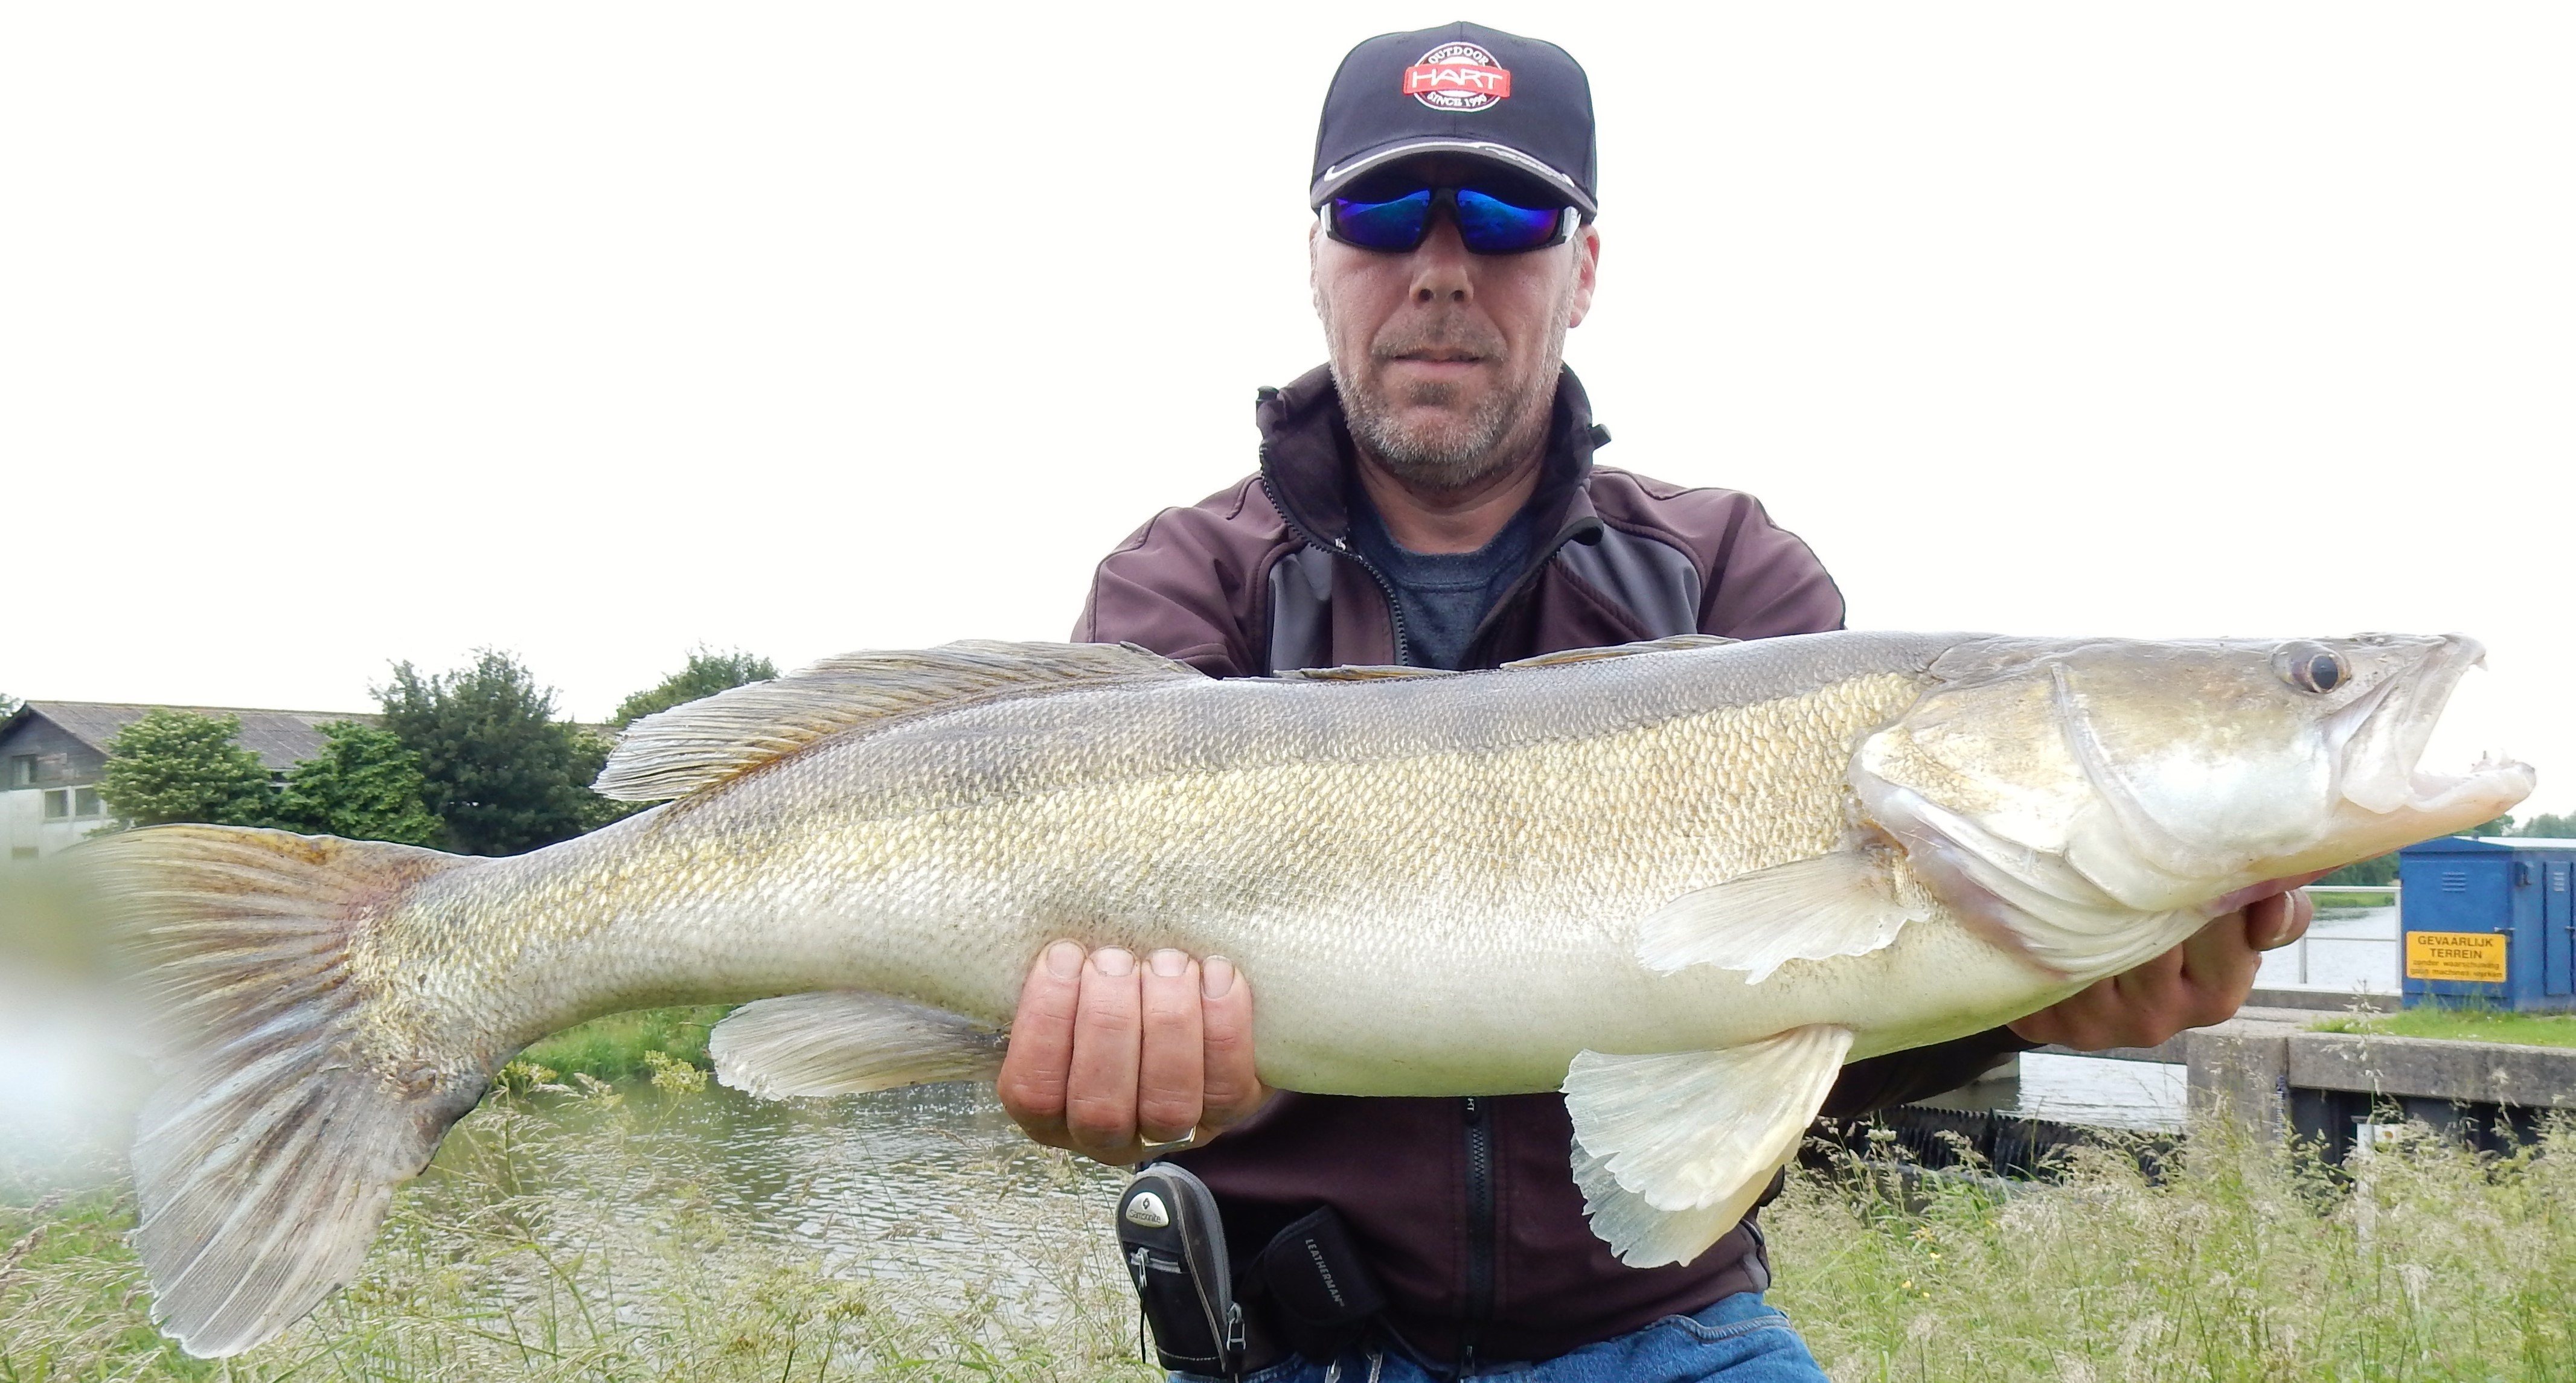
1684 882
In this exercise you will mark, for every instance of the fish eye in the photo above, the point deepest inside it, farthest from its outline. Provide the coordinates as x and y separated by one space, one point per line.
2310 667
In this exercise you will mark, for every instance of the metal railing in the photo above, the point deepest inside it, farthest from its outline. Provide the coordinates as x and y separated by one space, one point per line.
2298 964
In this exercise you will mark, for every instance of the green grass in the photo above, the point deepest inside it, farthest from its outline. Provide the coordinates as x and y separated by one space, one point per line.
621 1046
2245 1265
491 1268
2334 898
2468 1024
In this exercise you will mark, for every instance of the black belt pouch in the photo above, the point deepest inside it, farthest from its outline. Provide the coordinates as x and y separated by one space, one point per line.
1174 1245
1317 1294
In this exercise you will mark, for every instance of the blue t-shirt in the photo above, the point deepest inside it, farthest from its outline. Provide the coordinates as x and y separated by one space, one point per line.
1442 595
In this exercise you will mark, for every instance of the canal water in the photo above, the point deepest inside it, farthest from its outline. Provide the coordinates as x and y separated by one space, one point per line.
2346 951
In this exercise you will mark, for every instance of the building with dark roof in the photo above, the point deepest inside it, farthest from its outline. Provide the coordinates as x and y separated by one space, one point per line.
52 753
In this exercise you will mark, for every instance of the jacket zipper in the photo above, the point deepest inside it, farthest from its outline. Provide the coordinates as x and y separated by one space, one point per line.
1519 586
1341 547
1480 1230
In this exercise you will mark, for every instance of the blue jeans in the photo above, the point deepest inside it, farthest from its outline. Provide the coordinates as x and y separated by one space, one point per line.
1736 1339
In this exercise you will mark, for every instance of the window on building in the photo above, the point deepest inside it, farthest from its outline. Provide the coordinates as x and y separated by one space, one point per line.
58 804
85 802
22 770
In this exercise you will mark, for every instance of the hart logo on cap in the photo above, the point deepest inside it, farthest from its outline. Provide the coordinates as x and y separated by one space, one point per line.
1457 76
1477 94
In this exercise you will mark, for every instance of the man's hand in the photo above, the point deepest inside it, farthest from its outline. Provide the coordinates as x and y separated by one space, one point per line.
2202 981
1107 1056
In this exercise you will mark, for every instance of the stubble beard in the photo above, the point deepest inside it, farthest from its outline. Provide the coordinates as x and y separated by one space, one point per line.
1447 450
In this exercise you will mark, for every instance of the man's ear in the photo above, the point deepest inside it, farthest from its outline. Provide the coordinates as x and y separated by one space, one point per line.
1315 270
1587 268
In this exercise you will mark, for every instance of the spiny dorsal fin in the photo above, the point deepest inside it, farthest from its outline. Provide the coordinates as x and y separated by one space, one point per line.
696 746
1361 672
1625 650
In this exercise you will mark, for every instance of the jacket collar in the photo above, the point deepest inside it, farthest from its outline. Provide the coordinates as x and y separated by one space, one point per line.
1306 460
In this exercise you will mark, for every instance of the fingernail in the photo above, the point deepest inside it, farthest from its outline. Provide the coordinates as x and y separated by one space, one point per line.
1110 960
1169 964
1064 960
1216 977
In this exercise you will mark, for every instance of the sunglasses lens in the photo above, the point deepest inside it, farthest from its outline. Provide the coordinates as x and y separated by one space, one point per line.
1393 225
1492 226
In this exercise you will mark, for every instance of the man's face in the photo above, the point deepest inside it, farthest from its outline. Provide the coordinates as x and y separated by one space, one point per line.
1447 361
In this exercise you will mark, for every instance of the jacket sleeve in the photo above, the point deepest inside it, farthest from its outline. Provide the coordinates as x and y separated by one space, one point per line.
1176 588
1880 1081
1765 581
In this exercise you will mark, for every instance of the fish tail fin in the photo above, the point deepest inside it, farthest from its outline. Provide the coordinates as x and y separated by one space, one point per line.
265 1162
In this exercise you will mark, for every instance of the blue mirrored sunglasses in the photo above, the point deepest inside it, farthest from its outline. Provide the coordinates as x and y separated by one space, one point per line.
1486 223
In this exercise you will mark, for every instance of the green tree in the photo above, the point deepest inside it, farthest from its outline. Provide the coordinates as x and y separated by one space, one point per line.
707 673
363 785
503 775
2550 825
2381 870
179 766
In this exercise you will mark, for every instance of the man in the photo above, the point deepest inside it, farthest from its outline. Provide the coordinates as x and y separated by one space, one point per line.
1430 498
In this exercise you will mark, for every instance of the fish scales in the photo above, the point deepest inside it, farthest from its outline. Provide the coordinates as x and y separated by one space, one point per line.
1397 841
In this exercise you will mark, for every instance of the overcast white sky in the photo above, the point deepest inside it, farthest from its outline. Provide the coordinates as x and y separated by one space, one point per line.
332 335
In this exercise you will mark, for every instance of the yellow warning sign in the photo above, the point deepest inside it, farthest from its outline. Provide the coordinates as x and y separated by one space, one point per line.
2455 956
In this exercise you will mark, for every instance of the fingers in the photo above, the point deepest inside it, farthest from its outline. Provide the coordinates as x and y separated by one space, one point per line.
1234 1090
1039 1059
2218 966
2275 922
1108 1055
2202 981
1108 1042
2088 1020
1171 1072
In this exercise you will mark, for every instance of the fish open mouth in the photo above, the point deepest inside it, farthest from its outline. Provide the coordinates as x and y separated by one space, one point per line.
2385 735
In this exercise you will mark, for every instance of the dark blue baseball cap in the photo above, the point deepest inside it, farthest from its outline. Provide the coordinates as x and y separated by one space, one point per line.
1463 89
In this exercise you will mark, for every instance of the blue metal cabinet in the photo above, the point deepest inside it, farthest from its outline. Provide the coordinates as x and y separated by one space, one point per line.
2488 921
2558 929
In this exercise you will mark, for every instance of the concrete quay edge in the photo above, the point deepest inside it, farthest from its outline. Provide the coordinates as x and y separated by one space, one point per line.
2435 1068
2251 1061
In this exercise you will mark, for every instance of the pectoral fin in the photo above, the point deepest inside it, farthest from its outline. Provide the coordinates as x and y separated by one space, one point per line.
846 1043
1672 1149
1840 904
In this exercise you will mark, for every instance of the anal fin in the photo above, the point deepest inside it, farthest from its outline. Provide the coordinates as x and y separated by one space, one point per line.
1840 904
843 1042
1674 1148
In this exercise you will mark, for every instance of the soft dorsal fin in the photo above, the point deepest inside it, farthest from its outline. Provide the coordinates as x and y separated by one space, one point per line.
696 746
1361 672
1625 650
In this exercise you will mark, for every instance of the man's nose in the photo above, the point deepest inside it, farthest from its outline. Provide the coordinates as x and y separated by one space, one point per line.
1442 268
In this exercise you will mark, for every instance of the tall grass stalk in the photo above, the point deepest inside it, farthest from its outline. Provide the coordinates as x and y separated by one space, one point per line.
2424 1261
